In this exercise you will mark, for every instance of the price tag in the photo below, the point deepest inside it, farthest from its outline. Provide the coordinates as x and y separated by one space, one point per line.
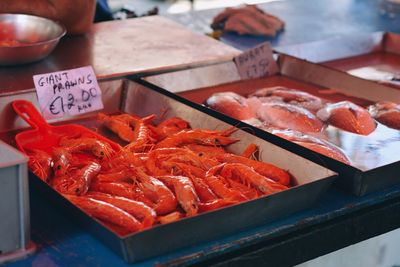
256 62
74 91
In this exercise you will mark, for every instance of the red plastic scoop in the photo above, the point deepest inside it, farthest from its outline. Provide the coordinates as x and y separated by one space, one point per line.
44 136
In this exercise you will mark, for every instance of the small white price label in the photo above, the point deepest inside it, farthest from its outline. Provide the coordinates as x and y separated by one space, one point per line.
73 91
256 62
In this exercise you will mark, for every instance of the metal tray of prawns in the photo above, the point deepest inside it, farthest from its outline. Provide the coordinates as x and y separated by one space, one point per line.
374 162
309 179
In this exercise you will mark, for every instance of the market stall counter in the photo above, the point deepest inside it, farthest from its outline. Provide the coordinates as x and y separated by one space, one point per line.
336 220
336 216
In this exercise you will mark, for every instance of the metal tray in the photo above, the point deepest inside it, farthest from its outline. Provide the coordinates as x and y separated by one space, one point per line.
373 56
311 181
374 157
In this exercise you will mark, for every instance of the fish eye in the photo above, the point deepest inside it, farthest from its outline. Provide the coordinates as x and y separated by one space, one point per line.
102 153
58 167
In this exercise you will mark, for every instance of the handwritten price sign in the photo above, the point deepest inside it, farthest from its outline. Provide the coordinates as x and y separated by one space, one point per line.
74 91
256 62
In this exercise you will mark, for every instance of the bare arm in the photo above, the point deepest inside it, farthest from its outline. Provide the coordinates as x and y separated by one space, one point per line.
76 15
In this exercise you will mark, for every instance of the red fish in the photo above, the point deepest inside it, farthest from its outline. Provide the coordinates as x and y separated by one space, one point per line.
314 143
326 150
288 116
387 113
231 104
292 96
349 117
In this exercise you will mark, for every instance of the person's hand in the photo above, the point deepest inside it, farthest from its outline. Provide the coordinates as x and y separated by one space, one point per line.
247 20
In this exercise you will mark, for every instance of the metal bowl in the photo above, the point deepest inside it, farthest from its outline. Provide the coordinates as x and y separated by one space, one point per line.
26 38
